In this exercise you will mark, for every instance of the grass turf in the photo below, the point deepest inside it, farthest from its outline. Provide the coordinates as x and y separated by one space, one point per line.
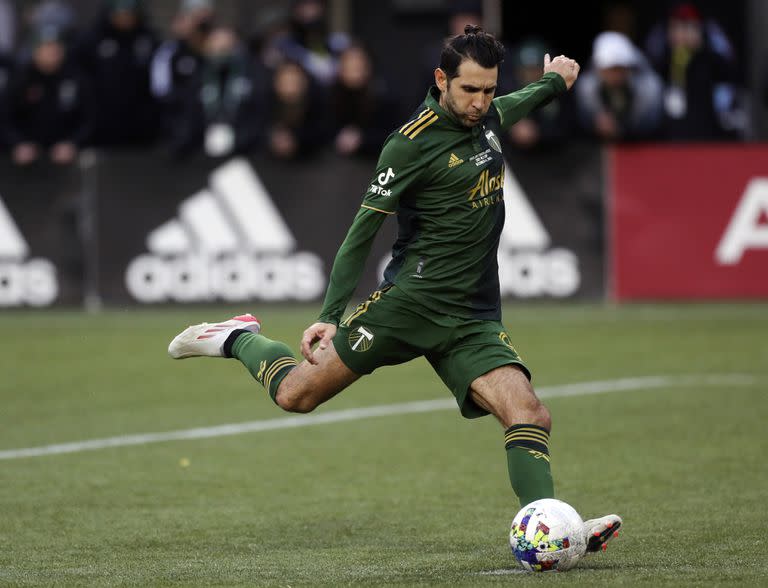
419 499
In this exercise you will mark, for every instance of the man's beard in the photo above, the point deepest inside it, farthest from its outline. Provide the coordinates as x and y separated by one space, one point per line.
462 118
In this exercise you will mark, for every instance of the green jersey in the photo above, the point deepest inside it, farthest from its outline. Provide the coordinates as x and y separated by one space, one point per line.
444 181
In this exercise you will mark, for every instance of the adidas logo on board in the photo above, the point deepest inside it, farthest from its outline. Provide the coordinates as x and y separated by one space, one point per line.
228 242
33 282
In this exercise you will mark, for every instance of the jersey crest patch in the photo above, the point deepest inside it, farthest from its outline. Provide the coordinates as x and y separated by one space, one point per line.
493 140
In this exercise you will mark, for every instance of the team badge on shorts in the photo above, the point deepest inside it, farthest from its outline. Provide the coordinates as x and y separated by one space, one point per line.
360 339
505 339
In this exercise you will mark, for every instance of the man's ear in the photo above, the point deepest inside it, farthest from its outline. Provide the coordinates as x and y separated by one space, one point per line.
441 80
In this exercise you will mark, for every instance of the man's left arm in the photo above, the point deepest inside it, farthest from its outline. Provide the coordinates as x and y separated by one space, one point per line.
559 76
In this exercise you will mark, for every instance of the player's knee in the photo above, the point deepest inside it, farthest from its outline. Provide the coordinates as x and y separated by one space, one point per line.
292 400
542 417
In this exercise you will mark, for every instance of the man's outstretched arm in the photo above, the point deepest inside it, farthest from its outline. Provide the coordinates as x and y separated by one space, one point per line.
559 76
347 269
398 170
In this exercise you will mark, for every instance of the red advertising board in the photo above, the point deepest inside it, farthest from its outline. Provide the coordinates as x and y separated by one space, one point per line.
688 222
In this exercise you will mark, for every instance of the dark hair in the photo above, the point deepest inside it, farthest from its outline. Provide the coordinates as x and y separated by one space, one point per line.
474 44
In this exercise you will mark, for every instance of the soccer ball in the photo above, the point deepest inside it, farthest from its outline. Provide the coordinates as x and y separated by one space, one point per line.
547 535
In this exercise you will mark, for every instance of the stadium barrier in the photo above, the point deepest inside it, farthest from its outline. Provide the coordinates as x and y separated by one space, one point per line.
136 228
688 222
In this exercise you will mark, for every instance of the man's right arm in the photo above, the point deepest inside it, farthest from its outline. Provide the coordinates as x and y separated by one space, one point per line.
398 171
347 268
349 263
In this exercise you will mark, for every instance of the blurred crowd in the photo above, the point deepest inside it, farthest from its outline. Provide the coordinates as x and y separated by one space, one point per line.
298 87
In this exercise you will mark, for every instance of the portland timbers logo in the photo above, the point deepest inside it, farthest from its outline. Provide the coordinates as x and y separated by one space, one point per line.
493 140
360 339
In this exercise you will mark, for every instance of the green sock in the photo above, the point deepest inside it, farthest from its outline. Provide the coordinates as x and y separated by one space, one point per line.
528 461
268 361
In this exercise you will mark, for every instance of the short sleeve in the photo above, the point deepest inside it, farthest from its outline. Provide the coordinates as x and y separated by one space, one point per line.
399 170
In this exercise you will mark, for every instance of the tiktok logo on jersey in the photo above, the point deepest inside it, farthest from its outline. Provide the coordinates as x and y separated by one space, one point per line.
383 180
384 177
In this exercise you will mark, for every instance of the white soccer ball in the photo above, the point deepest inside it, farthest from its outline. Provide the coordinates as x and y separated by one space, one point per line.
547 535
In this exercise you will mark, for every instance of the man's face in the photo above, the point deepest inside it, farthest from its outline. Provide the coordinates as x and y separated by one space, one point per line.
468 96
49 56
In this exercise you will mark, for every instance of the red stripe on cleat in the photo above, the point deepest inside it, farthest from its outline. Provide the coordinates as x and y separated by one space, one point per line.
246 318
205 337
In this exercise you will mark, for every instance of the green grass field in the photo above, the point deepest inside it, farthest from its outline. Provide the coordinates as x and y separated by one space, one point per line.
411 499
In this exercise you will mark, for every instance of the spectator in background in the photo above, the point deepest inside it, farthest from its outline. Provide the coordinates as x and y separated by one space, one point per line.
57 14
272 27
116 53
48 104
48 14
7 27
550 124
176 63
298 113
223 111
363 112
702 97
309 43
619 97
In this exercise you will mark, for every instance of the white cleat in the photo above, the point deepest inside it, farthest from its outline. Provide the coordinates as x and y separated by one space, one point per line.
207 339
597 532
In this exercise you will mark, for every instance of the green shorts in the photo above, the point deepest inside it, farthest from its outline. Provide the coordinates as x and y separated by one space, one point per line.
389 328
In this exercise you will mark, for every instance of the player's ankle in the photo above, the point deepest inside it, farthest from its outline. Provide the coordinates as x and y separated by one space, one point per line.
231 339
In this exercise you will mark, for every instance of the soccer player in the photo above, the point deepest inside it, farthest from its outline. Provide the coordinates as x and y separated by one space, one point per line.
442 174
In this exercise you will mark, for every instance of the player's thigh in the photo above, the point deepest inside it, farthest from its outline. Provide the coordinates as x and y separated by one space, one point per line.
507 393
307 385
477 349
384 330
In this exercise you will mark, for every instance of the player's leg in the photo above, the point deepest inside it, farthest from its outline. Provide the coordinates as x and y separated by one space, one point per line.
506 393
486 375
307 386
294 387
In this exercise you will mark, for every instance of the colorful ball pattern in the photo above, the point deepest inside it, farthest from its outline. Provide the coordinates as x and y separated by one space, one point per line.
547 535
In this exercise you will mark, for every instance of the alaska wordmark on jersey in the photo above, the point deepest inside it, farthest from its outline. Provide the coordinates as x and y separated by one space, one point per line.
528 265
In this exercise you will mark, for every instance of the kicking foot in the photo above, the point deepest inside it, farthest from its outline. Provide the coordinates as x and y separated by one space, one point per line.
207 339
597 532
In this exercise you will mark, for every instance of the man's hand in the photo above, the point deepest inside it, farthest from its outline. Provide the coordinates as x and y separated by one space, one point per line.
322 332
567 68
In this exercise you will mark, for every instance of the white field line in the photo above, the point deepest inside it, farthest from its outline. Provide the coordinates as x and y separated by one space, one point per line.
353 414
